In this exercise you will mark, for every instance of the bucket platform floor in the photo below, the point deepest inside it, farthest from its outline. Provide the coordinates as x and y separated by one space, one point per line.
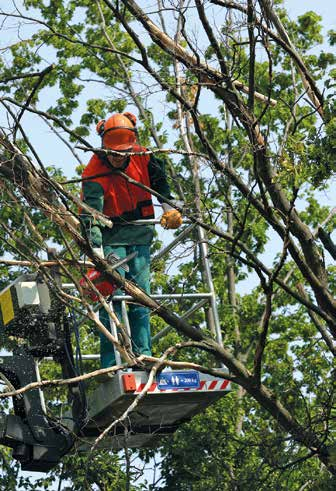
174 398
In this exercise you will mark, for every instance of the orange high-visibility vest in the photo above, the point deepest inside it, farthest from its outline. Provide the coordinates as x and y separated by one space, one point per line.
124 201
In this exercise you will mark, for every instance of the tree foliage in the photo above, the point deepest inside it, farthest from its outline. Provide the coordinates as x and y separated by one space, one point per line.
240 100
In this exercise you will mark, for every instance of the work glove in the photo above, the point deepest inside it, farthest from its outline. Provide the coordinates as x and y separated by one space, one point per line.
171 218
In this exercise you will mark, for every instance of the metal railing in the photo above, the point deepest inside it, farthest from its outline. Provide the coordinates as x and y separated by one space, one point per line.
205 299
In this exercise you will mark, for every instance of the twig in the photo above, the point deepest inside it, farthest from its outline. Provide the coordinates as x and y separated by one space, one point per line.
138 398
31 95
141 359
13 262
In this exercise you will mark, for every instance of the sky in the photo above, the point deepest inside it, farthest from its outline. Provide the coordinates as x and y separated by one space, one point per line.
54 154
326 8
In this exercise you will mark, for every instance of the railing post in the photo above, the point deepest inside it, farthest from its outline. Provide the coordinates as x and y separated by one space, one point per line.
212 312
115 334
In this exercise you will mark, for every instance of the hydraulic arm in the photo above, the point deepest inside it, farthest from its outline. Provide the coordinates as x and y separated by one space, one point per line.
30 312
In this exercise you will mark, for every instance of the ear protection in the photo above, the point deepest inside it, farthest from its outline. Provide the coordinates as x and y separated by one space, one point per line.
100 127
131 117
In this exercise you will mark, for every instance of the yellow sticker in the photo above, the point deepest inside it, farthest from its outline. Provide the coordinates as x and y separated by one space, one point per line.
6 305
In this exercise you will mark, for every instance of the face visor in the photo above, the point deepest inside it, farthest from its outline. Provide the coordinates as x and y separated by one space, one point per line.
119 139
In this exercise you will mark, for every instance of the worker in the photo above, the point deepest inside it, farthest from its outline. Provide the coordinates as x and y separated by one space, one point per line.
124 202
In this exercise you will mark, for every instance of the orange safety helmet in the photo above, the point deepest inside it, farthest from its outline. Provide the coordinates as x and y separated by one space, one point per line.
118 132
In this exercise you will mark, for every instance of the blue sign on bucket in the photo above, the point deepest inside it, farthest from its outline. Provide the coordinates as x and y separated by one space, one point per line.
178 380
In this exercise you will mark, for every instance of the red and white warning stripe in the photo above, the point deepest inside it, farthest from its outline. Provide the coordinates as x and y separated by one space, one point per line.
205 385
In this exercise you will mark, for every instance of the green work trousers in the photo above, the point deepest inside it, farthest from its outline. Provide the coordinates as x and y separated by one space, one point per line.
139 273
